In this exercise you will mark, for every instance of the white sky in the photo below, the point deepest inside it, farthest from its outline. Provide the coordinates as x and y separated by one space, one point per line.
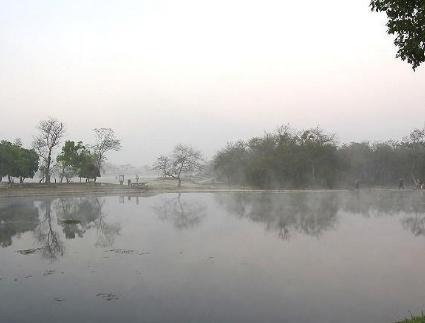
202 72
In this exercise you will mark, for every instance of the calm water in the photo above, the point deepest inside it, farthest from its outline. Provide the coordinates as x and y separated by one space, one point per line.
216 257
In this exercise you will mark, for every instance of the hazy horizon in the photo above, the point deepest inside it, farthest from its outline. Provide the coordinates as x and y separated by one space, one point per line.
202 73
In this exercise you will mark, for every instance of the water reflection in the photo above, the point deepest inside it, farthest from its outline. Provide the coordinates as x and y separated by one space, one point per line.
313 213
415 224
182 213
54 220
382 203
78 215
155 273
308 213
16 217
47 234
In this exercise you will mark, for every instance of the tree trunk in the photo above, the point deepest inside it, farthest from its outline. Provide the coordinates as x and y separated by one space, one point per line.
178 176
49 160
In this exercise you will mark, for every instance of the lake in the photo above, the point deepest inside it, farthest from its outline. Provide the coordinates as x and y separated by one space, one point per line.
214 257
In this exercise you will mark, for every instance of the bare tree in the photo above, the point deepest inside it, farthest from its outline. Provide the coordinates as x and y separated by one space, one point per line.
105 142
51 133
184 159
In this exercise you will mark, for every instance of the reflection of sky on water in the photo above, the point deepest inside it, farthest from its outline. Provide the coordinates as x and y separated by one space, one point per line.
347 257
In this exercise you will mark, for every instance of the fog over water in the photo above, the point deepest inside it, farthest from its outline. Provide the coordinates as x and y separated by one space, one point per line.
202 73
213 257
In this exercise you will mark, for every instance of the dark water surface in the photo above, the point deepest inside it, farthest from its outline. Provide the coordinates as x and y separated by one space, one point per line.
214 257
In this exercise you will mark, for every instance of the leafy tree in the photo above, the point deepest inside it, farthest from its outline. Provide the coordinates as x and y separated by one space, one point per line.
227 163
284 158
319 150
51 132
105 142
183 160
27 164
69 159
16 161
7 159
415 148
88 166
406 20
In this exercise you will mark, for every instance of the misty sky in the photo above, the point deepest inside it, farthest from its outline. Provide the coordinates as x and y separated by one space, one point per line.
202 72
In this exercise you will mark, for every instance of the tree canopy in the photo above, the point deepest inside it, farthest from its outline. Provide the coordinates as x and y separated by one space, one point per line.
77 160
16 161
406 20
289 158
105 142
183 160
50 135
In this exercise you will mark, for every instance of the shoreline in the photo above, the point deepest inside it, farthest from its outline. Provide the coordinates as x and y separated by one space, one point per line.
103 189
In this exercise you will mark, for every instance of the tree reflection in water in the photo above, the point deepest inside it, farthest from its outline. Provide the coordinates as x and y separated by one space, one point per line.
313 213
106 232
75 216
308 213
16 217
409 204
51 244
182 213
78 215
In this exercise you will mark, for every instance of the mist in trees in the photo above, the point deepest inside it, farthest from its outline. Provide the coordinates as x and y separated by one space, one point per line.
284 158
106 141
75 159
16 161
183 160
289 158
50 135
85 161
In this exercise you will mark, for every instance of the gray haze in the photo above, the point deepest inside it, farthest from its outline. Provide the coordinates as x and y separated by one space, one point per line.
202 73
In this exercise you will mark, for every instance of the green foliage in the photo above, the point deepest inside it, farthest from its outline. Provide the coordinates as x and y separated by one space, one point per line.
70 155
76 160
88 166
16 161
70 158
414 319
282 159
227 163
311 158
406 20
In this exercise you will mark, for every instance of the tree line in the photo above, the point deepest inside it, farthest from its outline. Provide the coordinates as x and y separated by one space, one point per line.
75 159
289 158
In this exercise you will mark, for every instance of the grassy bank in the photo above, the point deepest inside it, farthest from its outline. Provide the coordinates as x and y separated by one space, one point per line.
152 186
35 189
414 319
